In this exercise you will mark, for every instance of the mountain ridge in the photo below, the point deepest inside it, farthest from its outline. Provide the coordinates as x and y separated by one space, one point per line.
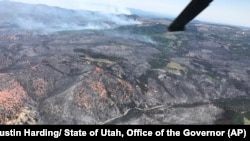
40 17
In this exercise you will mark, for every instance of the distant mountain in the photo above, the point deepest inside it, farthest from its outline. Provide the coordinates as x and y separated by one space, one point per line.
149 14
43 17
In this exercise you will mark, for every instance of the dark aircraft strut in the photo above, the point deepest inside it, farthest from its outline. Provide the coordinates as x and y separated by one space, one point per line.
194 8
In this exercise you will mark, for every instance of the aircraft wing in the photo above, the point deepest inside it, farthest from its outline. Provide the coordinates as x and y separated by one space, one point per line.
190 12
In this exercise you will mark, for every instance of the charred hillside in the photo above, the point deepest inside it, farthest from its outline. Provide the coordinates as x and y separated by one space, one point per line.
134 73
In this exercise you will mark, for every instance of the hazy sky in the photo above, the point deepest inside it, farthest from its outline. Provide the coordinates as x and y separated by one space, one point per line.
234 12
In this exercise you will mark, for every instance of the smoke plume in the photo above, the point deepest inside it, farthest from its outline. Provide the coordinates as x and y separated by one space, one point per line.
49 19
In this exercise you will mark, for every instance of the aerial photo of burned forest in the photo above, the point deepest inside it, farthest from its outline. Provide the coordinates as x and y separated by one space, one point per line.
61 66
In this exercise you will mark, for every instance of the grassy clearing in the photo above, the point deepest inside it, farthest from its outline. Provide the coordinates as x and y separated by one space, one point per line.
176 68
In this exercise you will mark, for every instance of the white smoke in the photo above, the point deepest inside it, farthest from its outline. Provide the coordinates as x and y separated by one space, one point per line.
105 6
50 19
108 9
